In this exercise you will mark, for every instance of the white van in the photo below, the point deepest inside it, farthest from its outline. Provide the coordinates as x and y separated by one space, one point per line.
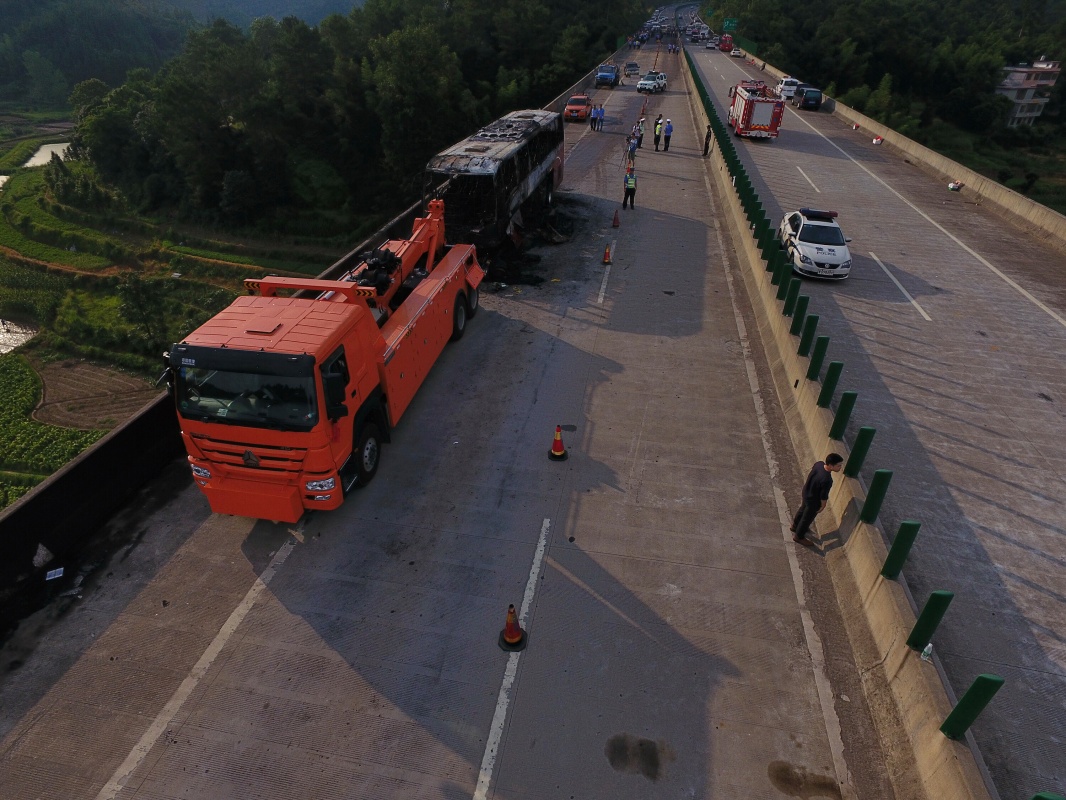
787 87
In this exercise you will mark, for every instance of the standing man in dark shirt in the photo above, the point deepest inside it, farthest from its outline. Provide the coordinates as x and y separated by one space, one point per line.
815 494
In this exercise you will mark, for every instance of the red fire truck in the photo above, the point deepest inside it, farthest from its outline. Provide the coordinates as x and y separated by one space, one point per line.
755 110
725 43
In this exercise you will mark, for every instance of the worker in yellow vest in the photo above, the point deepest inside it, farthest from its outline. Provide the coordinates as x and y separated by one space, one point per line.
629 182
658 131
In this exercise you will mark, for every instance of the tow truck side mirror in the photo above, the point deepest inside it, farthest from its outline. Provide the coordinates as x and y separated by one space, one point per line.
167 373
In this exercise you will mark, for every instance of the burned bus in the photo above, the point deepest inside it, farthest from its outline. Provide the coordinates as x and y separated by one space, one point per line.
499 180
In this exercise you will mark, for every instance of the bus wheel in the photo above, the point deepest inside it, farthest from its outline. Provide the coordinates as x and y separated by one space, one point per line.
367 454
459 318
473 302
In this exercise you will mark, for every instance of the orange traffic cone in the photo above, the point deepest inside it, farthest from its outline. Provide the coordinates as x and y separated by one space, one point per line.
607 254
616 223
512 637
558 452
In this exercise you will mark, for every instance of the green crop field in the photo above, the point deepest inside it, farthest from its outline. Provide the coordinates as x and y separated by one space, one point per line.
28 449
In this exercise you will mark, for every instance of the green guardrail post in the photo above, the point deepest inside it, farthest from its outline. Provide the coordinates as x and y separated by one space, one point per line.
784 267
814 369
981 691
859 451
829 384
800 314
769 256
783 281
790 296
776 273
807 337
901 548
935 608
878 489
1047 796
773 262
840 421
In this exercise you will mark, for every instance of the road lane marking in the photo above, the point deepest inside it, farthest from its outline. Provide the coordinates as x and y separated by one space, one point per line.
606 275
899 286
994 270
503 701
165 717
804 174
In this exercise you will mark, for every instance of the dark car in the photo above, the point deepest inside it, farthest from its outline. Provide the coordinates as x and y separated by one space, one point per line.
807 96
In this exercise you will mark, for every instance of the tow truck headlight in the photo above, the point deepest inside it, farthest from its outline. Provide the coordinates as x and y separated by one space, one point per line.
805 259
321 486
201 472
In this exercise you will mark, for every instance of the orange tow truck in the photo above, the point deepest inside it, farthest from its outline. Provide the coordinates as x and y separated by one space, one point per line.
285 401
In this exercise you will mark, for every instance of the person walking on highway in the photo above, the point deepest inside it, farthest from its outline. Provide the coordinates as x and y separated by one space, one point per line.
815 494
599 118
657 131
707 141
668 131
629 184
631 150
592 119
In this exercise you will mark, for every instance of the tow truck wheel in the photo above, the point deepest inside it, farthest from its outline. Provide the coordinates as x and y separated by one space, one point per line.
367 454
473 302
459 318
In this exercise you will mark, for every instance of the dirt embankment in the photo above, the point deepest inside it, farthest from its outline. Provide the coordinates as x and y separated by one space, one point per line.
78 394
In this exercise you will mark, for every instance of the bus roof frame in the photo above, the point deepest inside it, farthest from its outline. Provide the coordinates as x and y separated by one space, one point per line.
481 153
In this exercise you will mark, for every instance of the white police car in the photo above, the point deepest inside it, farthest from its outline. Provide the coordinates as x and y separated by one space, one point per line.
815 244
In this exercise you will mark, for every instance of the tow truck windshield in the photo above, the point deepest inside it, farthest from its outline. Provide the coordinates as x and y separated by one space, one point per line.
248 393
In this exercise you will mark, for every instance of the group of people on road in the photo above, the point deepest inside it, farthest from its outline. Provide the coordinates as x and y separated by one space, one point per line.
596 118
662 132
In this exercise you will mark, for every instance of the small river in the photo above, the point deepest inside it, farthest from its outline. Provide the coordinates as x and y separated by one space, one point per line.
44 154
42 157
12 335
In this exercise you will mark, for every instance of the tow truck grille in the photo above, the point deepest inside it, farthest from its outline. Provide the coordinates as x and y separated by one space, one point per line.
252 457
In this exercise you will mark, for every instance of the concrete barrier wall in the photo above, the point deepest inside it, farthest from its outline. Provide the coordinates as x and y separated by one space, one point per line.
62 511
908 698
1045 224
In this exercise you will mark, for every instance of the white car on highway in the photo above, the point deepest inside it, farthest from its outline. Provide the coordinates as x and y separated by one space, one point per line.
652 82
815 244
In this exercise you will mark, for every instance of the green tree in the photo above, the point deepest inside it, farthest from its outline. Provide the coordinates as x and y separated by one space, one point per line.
144 305
418 93
47 86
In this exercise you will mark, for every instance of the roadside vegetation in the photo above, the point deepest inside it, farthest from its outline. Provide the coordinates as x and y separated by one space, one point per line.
31 451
